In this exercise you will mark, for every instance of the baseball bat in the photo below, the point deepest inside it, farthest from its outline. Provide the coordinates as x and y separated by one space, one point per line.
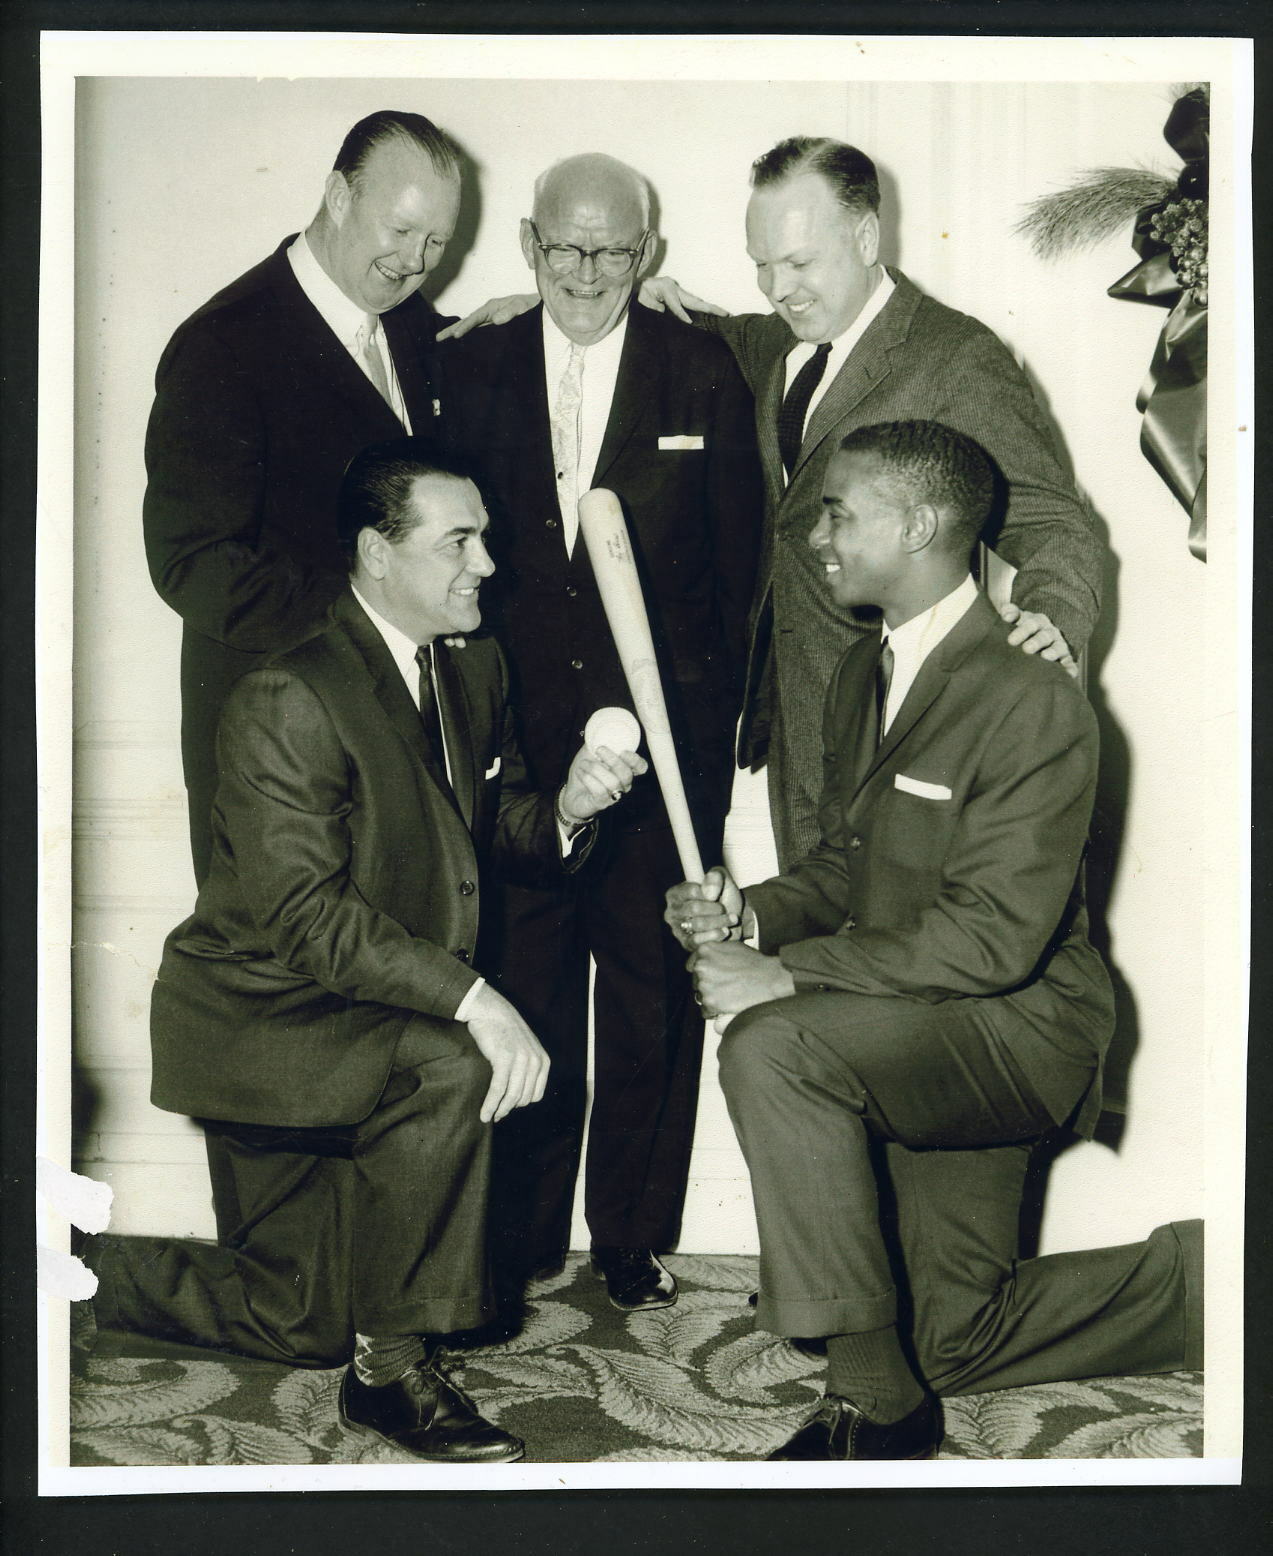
605 534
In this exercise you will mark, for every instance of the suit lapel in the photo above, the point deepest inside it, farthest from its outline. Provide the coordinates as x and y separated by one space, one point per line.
316 355
391 691
936 670
638 370
869 363
413 357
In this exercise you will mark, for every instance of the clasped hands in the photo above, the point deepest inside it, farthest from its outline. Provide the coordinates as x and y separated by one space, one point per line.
709 919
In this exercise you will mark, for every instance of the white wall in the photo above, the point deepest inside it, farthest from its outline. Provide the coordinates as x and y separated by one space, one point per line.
182 184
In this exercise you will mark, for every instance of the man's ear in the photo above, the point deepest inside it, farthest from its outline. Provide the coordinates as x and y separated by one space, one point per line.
528 242
647 252
372 548
920 528
337 196
868 237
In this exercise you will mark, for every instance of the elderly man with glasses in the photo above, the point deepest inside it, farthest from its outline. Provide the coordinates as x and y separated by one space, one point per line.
591 389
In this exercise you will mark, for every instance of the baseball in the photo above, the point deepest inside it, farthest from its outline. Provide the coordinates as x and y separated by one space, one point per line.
615 728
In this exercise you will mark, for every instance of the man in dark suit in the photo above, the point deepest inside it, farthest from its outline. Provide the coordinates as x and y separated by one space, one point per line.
920 992
585 391
321 1011
852 341
264 395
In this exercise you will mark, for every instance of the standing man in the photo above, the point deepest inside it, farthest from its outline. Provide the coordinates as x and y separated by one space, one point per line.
852 341
584 391
321 1011
923 986
262 398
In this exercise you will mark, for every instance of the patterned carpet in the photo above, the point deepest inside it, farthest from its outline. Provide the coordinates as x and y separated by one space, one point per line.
584 1383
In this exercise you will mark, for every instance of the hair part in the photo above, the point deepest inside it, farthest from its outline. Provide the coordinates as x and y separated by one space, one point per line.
929 462
849 172
378 488
388 124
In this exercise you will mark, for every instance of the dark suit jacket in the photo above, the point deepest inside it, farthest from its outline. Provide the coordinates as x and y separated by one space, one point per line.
968 897
258 408
917 360
344 892
694 516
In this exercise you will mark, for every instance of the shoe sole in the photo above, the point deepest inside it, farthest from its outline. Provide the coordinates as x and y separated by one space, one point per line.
643 1307
360 1428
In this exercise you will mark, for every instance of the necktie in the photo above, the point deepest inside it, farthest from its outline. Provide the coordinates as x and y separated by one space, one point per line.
369 350
430 714
883 680
795 407
565 434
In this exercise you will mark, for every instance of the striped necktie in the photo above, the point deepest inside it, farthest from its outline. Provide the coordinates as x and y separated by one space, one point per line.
795 406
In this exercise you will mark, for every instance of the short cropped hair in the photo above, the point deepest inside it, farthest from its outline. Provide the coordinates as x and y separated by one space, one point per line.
850 172
386 124
929 462
376 489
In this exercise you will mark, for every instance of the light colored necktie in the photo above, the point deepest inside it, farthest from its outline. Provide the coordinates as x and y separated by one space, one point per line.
369 351
566 415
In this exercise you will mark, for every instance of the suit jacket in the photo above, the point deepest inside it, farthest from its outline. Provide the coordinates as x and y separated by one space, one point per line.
967 891
344 893
258 408
694 515
917 360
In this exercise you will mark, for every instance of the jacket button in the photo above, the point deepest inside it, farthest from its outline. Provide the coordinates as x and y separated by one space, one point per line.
571 591
551 523
855 842
462 955
467 888
576 664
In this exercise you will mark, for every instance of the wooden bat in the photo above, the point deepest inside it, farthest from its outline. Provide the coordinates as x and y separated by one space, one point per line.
605 534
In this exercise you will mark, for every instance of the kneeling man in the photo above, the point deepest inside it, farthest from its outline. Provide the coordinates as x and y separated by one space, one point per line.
918 1003
320 1012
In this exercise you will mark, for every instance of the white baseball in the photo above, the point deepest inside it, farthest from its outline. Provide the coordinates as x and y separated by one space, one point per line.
615 728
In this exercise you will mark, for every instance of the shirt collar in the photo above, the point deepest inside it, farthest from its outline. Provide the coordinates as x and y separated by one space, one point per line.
917 638
345 318
557 345
396 641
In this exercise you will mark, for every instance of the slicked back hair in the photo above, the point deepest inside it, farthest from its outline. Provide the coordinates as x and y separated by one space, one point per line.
387 124
377 487
929 462
850 172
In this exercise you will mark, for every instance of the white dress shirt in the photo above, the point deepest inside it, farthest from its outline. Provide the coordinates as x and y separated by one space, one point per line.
600 374
841 346
350 324
915 639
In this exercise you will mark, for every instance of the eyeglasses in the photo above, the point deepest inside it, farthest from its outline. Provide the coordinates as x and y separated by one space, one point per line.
562 258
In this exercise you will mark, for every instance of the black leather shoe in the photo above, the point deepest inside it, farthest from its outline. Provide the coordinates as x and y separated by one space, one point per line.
839 1430
634 1278
428 1416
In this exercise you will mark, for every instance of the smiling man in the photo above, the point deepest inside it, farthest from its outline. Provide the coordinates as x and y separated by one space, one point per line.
591 389
262 397
918 998
321 1012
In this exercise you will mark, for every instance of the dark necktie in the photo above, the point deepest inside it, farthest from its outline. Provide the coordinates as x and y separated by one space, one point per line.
430 715
795 407
883 680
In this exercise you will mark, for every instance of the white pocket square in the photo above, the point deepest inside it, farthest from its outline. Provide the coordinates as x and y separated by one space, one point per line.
493 770
926 791
682 440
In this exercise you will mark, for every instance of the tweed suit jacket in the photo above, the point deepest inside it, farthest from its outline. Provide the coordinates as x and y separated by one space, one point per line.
679 452
258 408
917 360
344 895
948 864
